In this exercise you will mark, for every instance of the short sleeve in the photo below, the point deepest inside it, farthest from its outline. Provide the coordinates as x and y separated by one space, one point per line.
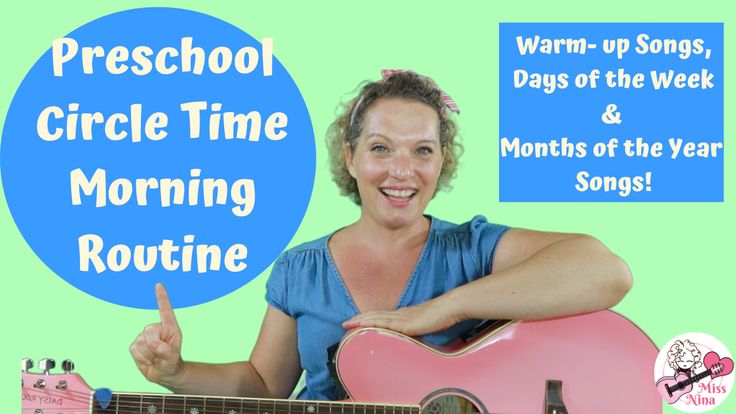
277 286
484 238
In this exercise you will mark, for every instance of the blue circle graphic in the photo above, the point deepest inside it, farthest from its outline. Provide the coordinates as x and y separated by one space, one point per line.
172 148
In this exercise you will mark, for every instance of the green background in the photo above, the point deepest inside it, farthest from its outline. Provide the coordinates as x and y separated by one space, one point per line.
681 254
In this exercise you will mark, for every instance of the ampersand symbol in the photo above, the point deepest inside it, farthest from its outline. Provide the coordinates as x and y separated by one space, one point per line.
610 116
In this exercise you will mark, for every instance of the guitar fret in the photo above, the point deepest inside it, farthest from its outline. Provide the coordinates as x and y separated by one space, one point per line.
230 406
194 405
683 384
281 407
152 404
251 407
176 403
217 402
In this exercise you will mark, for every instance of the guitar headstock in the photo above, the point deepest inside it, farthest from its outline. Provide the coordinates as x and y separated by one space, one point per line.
716 368
47 393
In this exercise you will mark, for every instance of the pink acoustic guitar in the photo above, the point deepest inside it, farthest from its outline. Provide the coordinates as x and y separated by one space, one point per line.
672 388
597 363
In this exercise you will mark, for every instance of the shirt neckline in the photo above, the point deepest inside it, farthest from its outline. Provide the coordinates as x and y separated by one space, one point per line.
409 283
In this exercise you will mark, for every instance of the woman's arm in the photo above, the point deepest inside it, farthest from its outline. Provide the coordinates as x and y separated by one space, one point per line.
541 275
272 371
536 275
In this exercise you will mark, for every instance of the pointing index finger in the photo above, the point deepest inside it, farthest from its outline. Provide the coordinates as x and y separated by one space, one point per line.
165 311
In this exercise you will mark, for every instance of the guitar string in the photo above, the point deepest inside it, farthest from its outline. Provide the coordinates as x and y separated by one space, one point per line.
131 406
80 396
268 407
140 405
178 402
142 410
136 408
136 400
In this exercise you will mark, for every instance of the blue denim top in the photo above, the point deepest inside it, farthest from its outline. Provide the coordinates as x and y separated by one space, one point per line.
306 285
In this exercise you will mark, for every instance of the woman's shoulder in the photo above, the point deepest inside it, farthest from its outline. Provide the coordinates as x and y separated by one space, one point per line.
472 242
478 224
313 250
316 244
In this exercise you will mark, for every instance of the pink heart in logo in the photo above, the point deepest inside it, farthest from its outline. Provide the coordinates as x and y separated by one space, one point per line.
712 358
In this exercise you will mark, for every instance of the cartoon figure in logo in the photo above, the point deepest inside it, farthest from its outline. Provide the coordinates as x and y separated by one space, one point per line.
684 357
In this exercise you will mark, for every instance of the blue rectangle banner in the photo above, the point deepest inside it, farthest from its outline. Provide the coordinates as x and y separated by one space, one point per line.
611 112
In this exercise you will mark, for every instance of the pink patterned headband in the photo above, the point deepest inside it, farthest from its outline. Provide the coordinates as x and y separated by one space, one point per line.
387 73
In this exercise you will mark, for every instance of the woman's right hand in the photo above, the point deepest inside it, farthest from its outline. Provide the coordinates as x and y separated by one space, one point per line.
157 350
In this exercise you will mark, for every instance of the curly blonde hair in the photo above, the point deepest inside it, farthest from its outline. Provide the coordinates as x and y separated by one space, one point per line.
346 129
678 348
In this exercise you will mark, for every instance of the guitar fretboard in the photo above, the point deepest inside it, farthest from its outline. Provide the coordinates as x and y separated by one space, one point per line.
683 384
126 403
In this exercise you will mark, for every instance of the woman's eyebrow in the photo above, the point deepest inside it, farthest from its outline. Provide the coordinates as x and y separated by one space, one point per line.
380 135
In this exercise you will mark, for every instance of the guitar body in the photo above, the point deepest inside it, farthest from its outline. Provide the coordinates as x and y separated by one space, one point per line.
605 364
673 394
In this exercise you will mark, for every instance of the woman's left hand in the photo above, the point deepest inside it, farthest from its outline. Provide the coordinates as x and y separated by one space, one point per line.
432 316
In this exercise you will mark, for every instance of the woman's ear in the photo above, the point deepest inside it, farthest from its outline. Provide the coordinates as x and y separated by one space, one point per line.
348 154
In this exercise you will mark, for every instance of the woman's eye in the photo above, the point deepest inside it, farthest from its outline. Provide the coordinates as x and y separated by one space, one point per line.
424 150
379 148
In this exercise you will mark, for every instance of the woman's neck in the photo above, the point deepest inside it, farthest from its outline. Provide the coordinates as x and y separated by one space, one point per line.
368 231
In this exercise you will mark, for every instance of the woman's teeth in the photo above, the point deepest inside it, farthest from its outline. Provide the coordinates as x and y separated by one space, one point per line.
398 193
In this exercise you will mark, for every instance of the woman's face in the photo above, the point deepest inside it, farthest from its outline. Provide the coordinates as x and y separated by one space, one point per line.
685 359
396 161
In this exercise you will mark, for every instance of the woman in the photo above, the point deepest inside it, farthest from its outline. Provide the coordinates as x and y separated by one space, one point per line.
392 148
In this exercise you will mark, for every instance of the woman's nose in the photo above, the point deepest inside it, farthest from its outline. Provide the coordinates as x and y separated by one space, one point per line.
401 166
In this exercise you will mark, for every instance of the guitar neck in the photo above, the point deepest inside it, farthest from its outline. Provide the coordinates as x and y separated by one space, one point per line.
131 403
683 384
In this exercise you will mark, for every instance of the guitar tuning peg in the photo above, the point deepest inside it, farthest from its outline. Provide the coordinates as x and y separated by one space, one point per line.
26 364
47 364
68 366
